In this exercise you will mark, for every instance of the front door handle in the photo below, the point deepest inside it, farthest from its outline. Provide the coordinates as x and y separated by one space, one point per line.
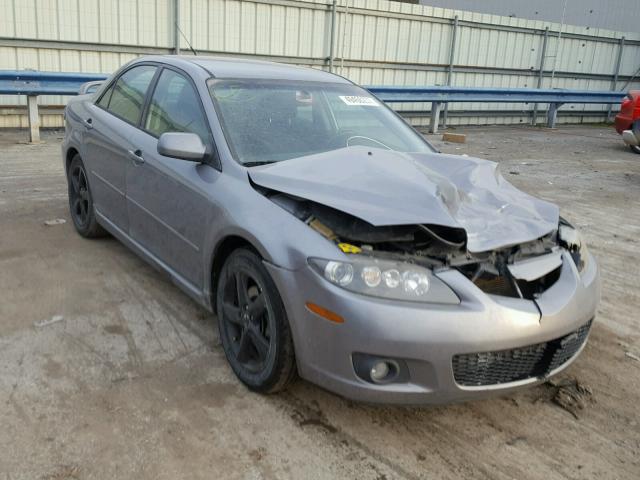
136 156
88 123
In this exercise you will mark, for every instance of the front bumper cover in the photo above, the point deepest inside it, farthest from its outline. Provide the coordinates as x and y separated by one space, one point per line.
427 336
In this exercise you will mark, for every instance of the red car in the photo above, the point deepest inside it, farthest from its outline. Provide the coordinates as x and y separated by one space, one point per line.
628 120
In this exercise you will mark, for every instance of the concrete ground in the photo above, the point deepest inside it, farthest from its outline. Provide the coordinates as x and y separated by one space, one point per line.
132 383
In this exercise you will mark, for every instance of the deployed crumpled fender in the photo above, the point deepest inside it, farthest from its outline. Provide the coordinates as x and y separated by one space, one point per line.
384 187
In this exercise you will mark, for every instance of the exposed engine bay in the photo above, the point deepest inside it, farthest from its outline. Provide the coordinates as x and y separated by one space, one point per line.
436 247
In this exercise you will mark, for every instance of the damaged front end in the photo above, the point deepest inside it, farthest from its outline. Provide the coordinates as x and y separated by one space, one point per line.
398 262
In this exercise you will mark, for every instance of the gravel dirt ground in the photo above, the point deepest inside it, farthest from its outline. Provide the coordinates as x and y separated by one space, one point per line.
131 382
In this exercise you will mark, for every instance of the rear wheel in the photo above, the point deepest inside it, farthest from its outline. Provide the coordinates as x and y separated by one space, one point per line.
635 148
253 324
81 202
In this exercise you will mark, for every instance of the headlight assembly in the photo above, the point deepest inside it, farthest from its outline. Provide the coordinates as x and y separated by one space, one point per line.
385 279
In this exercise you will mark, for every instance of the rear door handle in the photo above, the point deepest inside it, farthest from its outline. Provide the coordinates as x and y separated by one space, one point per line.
88 123
136 156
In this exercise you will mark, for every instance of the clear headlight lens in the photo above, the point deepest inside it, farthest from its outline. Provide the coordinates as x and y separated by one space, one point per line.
339 273
392 278
415 283
385 279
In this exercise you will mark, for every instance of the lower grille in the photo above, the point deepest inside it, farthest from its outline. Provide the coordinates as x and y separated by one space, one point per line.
504 366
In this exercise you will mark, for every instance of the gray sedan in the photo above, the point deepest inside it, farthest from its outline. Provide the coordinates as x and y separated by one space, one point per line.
330 239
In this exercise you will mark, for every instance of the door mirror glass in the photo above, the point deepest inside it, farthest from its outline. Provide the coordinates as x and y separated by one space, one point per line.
185 146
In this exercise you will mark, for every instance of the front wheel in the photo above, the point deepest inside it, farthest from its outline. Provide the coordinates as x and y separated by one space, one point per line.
253 324
635 148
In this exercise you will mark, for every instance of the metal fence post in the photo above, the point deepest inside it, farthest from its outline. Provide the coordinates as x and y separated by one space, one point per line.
552 114
614 80
435 116
534 117
452 51
176 26
34 119
333 35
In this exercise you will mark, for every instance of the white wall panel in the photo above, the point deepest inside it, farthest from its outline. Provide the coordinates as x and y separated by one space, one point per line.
377 42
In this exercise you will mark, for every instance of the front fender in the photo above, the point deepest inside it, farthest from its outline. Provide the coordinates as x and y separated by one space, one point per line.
279 237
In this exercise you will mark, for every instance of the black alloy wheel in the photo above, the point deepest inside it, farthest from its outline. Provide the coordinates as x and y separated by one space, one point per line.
79 195
253 325
81 202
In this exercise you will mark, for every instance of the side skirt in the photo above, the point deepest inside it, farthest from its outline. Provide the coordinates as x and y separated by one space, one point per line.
184 285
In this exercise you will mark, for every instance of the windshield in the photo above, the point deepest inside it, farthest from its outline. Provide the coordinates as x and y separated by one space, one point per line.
268 121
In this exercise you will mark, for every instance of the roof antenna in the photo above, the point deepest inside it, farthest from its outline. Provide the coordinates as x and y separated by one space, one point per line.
186 39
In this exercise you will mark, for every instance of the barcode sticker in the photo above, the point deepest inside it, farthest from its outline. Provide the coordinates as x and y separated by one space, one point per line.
359 101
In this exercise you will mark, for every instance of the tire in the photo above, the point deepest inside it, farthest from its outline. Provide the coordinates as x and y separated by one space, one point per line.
253 324
635 148
80 201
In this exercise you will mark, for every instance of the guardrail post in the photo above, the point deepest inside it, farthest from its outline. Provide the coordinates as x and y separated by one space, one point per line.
552 114
543 54
452 52
34 119
435 116
614 80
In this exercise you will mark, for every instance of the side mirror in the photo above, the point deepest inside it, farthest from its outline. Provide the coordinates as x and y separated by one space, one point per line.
185 146
90 87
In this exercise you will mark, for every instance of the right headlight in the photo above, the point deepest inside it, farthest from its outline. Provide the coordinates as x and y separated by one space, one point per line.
385 279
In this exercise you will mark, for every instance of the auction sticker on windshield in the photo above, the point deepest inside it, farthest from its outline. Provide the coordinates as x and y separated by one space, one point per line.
359 101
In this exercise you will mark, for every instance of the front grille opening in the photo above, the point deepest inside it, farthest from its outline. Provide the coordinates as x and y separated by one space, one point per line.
531 290
505 366
496 285
505 285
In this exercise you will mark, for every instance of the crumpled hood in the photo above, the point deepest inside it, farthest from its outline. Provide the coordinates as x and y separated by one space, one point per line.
385 188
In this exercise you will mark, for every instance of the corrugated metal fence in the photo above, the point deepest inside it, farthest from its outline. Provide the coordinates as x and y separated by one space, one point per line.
375 42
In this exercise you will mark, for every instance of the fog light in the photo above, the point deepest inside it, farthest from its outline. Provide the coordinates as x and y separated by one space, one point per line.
379 371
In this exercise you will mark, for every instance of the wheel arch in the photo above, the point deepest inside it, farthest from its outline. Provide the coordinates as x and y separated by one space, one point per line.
221 252
71 152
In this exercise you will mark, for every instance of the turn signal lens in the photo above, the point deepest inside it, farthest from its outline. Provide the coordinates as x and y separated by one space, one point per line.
372 276
324 313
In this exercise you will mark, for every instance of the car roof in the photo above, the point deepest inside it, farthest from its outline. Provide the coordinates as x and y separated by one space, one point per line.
229 67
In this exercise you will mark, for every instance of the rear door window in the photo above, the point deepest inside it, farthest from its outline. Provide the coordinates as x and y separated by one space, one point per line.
127 98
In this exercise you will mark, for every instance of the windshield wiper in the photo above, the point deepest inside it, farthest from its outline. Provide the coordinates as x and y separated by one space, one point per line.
258 163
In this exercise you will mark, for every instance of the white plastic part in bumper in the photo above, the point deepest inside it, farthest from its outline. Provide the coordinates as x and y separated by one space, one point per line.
630 138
